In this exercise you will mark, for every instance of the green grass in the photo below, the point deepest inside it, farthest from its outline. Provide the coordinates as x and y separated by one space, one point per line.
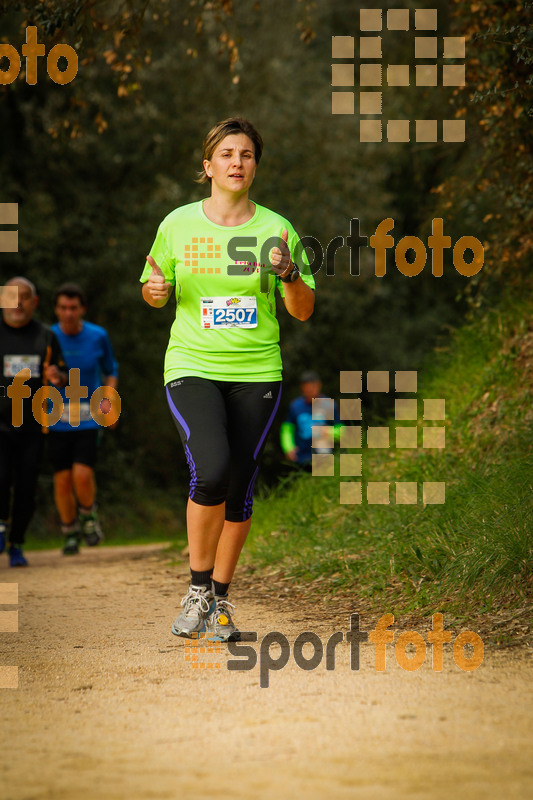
472 551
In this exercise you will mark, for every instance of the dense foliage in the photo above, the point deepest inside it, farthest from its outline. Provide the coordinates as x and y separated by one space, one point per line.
97 163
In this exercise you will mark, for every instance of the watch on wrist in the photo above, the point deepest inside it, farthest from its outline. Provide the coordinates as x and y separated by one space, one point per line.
292 276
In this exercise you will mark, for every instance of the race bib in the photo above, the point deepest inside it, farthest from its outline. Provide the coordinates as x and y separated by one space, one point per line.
13 364
85 412
228 312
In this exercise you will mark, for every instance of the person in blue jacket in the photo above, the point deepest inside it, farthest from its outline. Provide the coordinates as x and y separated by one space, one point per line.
296 431
73 450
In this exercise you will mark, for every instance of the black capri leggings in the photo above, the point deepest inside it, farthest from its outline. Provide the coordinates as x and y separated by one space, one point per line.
223 427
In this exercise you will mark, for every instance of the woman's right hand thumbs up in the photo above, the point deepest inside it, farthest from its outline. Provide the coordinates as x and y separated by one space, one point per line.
157 286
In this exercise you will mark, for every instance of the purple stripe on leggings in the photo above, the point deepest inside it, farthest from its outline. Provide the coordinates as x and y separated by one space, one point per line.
248 502
249 499
177 414
269 423
188 455
192 469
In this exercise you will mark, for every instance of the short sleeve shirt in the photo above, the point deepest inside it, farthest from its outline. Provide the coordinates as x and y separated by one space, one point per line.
225 326
89 351
29 347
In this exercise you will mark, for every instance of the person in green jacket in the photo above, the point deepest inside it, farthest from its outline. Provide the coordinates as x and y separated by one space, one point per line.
311 410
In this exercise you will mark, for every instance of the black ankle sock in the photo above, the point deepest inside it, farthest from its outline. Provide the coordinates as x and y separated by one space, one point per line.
221 589
201 578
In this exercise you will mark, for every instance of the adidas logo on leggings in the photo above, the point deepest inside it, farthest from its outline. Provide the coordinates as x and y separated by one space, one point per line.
267 396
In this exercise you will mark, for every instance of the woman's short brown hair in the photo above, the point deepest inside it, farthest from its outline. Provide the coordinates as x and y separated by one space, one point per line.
223 129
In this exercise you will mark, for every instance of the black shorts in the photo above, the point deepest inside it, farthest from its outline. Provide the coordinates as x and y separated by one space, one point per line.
223 427
68 447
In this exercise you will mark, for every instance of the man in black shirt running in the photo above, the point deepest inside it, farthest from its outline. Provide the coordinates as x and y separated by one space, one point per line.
29 345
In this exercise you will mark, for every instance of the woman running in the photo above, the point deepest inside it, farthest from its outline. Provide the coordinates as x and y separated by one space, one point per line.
224 256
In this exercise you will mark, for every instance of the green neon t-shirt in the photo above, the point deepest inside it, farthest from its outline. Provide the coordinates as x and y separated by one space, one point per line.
225 326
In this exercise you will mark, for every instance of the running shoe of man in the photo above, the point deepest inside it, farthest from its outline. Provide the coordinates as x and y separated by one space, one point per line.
72 544
90 528
197 604
219 625
3 536
16 557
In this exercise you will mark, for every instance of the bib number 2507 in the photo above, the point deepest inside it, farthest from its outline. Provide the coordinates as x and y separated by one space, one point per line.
229 312
238 315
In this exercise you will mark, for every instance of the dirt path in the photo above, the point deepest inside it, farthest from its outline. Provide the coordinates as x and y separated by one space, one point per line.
108 707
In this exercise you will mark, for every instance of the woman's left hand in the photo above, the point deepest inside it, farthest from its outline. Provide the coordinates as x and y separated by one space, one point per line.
280 257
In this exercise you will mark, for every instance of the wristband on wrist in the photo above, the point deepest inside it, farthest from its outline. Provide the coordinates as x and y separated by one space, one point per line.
292 276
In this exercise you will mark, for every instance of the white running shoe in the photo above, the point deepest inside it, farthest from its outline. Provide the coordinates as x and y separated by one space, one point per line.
198 603
219 625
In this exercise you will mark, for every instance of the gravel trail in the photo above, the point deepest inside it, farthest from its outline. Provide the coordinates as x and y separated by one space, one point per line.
109 707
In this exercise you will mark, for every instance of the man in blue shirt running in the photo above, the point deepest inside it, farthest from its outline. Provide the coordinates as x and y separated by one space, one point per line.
72 449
